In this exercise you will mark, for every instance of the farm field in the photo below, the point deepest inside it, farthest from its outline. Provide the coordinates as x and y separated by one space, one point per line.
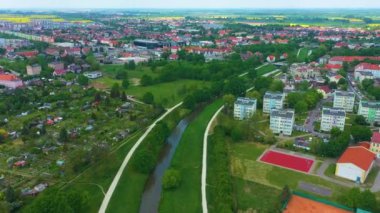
188 160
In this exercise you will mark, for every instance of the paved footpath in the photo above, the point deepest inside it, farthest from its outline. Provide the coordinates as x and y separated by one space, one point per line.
204 161
127 158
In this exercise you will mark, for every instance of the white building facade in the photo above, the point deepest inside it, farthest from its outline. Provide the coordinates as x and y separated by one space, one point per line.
333 117
370 110
273 100
244 108
282 121
345 100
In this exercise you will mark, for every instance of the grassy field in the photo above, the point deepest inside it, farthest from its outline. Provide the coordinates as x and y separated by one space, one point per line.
245 166
303 55
167 94
265 69
251 195
101 175
188 160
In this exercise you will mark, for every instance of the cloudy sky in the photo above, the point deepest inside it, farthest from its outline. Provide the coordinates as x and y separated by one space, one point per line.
189 4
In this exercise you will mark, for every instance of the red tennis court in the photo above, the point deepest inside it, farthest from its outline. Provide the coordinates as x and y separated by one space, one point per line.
287 161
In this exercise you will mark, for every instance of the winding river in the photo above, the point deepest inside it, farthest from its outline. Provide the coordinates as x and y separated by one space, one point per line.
151 197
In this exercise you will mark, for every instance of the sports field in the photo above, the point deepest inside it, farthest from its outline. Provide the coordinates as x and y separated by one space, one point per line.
301 204
287 161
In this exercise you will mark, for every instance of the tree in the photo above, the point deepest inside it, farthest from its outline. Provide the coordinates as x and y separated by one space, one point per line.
354 198
360 120
148 98
132 65
115 91
83 80
301 107
121 75
63 136
172 179
277 85
361 133
146 80
55 200
10 195
229 101
143 161
125 83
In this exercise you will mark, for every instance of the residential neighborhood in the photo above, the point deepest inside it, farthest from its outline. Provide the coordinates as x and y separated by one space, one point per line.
188 109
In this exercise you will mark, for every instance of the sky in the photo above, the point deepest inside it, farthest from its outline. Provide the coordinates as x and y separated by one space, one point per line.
248 4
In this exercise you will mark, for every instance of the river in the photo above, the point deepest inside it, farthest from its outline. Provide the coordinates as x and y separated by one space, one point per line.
152 194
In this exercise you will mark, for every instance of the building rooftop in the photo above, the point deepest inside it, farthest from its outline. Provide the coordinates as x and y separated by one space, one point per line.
333 111
287 113
359 156
274 95
370 104
302 204
344 93
245 101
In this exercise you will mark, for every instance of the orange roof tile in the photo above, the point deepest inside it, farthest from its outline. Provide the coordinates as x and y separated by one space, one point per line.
358 156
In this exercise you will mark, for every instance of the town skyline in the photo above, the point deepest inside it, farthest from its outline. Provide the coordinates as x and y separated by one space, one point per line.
187 4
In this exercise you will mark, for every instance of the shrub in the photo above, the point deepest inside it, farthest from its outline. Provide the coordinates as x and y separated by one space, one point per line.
172 179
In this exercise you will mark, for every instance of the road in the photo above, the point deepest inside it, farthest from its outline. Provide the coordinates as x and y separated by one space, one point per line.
127 158
204 160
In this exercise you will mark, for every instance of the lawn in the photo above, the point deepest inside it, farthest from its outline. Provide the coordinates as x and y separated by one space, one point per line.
265 69
188 160
303 55
255 196
301 118
244 165
168 94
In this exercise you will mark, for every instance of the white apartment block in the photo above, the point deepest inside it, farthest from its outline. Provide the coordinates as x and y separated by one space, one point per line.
333 117
273 100
370 110
282 121
244 108
345 100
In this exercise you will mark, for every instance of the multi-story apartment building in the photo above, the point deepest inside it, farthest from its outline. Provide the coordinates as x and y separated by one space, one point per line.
282 121
273 100
244 108
345 100
370 110
333 117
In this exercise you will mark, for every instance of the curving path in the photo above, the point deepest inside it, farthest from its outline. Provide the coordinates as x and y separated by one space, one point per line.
127 158
204 161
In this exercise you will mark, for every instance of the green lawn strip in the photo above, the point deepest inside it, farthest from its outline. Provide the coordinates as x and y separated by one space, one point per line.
265 69
188 160
101 174
330 171
254 196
